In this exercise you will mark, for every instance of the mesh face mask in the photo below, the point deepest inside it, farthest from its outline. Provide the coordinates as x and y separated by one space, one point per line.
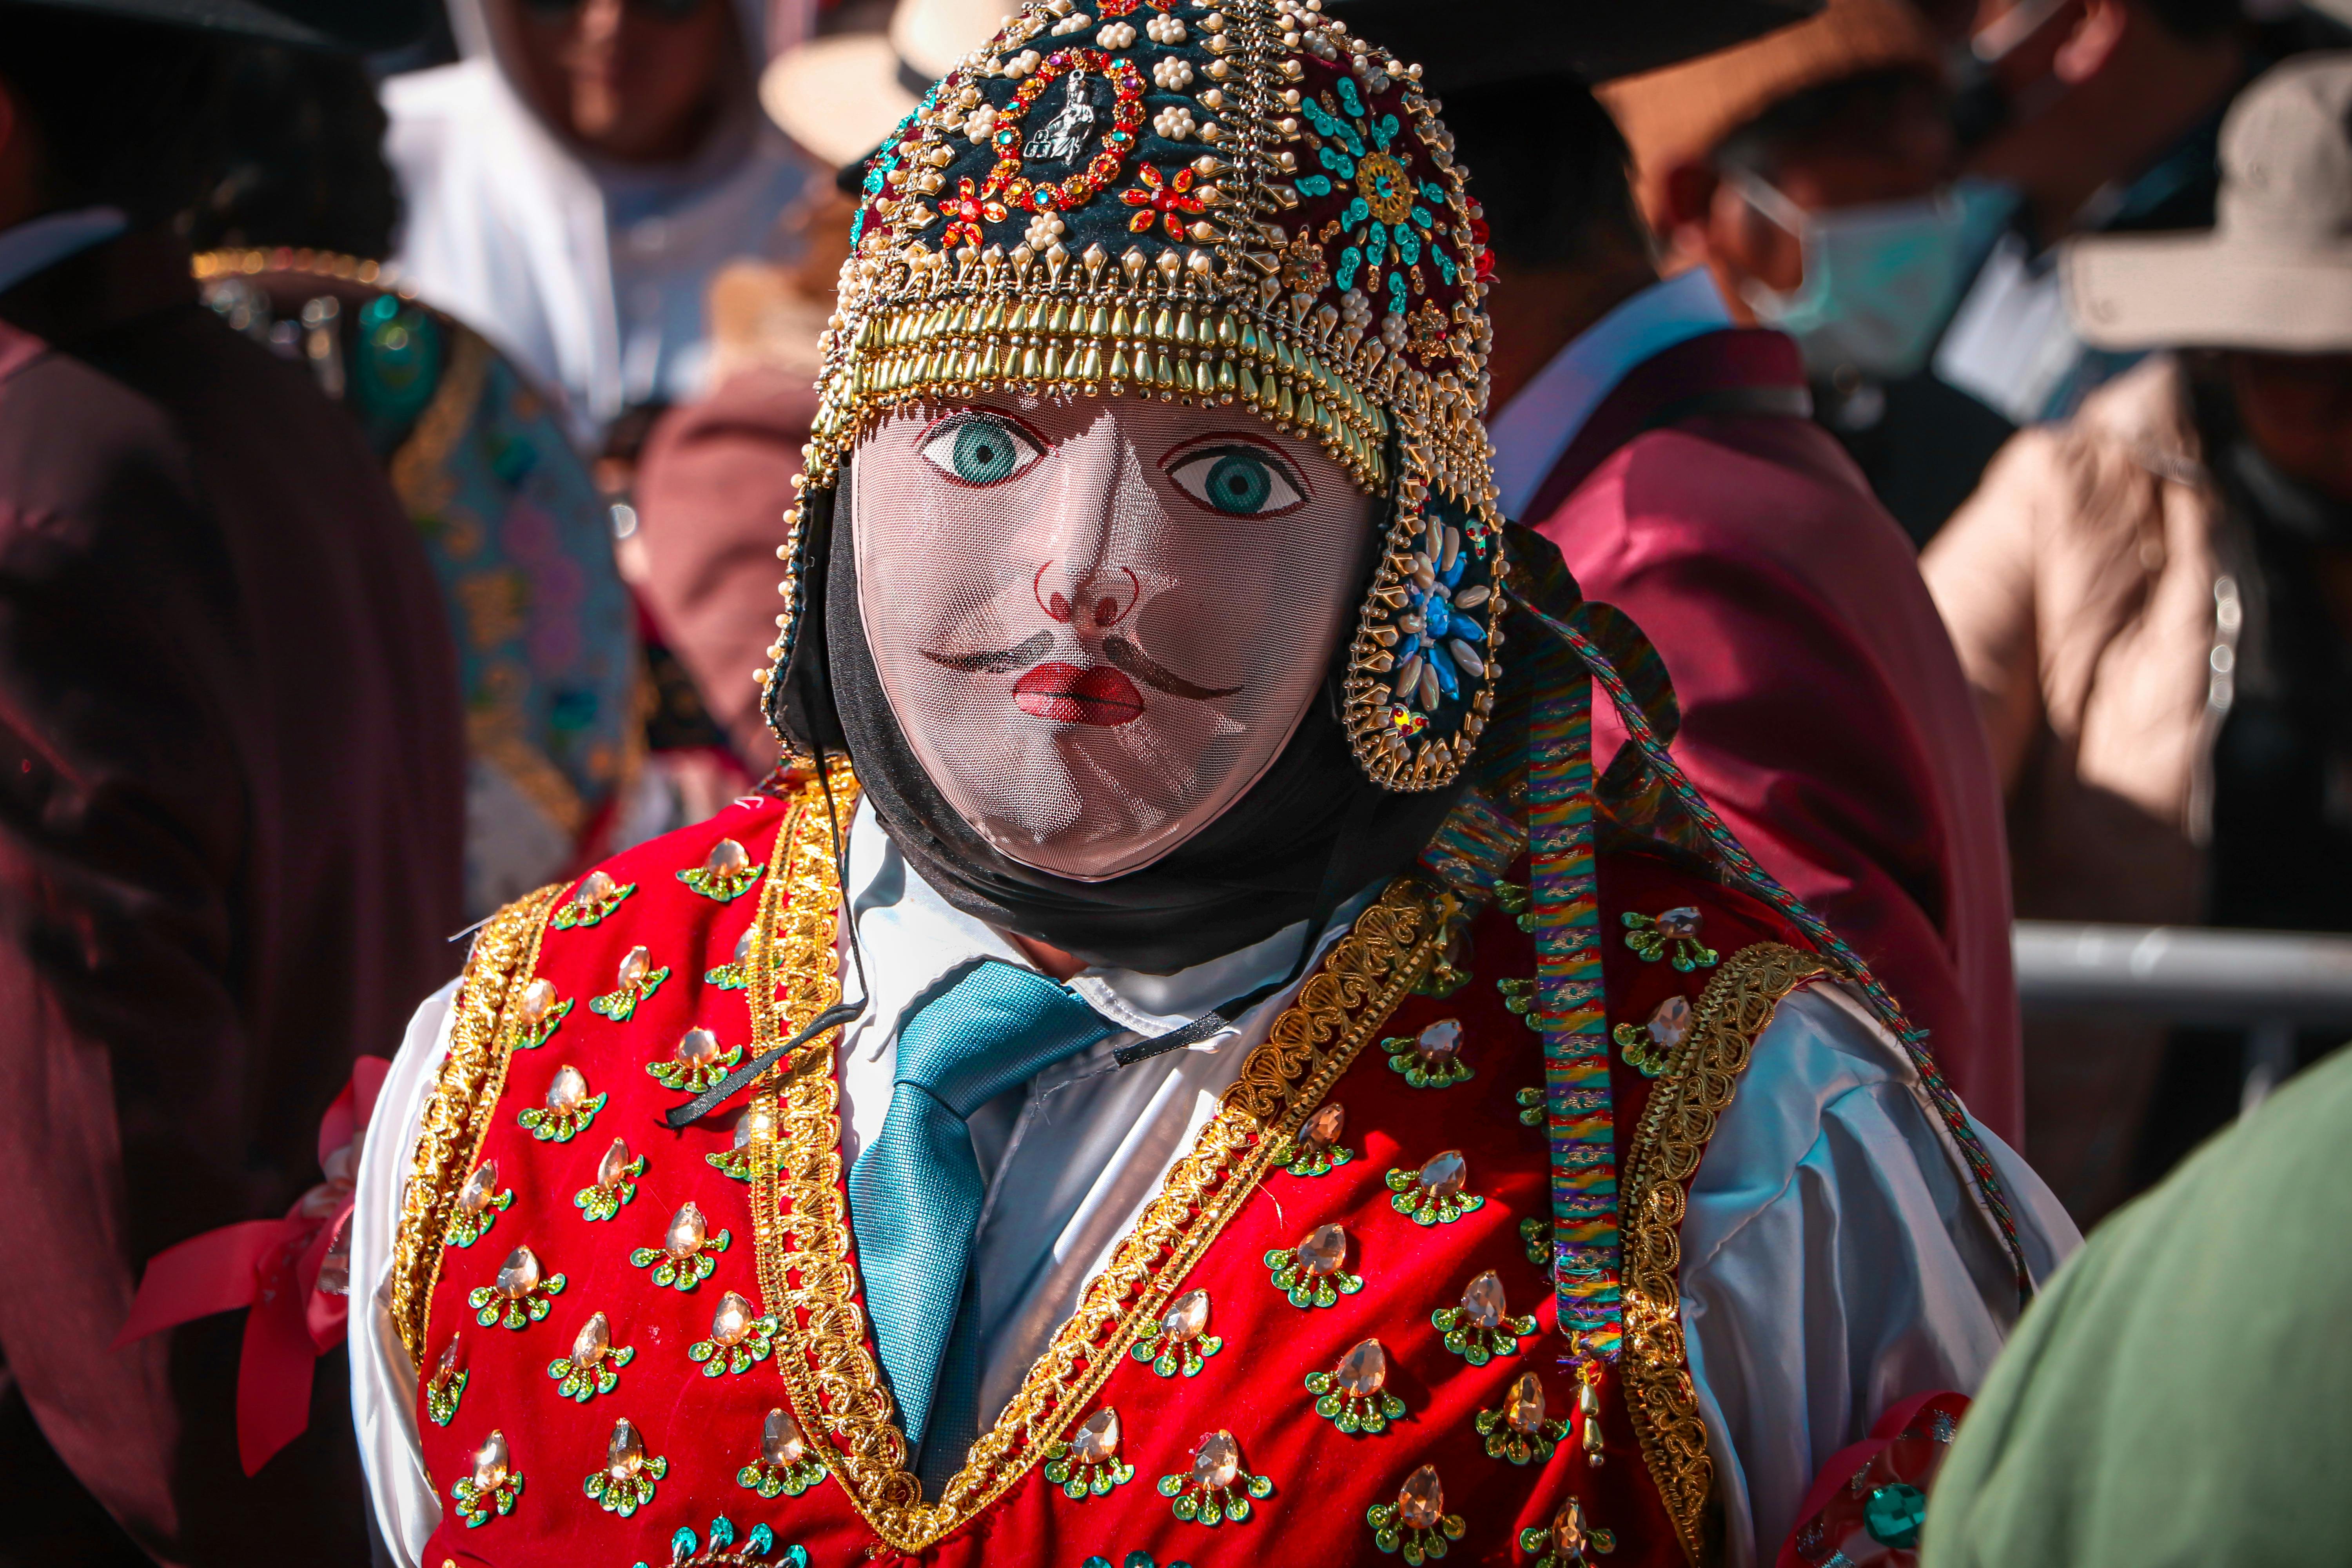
1097 624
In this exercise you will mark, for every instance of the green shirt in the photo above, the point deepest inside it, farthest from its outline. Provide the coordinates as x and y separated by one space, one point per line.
2182 1392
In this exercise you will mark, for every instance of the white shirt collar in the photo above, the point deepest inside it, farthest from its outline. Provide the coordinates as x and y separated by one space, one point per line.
913 937
1534 429
38 244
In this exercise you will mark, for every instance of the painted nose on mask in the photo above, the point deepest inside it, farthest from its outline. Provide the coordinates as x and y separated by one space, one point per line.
1098 599
1881 280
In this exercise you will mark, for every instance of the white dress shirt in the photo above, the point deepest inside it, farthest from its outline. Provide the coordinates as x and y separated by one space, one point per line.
1833 1260
1535 427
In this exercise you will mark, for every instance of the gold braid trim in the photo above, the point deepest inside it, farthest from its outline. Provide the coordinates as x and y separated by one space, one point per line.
806 1274
1695 1088
463 1098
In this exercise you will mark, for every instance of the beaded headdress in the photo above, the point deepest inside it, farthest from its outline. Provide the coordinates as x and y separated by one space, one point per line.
1204 201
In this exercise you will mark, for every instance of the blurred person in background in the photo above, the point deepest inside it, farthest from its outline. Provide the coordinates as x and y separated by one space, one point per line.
717 476
2102 115
1812 174
289 233
1667 452
2154 602
2176 1393
232 824
574 181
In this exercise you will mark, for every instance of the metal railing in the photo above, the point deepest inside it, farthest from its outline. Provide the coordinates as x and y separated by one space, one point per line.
2269 983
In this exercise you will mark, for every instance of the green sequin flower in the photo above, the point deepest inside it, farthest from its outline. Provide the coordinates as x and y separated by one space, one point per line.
1653 936
519 1297
1535 1234
1088 1465
784 1466
569 1110
1649 1048
1515 899
684 1259
1416 1526
737 1341
491 1488
1531 1107
636 980
595 898
1316 1150
1354 1395
1217 1488
725 876
1314 1273
538 1015
626 1484
1519 1430
594 1366
1431 1059
1519 1000
1434 1194
478 1206
686 1550
1566 1541
1178 1344
698 1063
445 1387
614 1186
1481 1328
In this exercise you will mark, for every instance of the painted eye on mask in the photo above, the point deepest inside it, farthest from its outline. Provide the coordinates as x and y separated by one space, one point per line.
980 449
1237 479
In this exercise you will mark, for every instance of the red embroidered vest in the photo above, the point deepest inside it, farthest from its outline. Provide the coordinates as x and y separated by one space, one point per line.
664 1329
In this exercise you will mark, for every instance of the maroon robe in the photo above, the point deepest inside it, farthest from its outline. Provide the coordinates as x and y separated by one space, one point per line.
1825 714
231 823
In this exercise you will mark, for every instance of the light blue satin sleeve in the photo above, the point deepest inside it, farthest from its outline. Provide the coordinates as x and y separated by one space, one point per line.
1834 1261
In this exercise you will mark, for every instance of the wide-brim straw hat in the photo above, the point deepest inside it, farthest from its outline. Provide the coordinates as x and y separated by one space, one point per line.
2275 271
838 97
1682 113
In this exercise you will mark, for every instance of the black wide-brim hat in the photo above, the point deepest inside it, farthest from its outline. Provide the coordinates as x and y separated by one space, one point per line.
348 25
1462 44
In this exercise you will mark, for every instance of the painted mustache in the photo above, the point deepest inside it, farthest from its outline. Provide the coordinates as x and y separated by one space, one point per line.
1122 653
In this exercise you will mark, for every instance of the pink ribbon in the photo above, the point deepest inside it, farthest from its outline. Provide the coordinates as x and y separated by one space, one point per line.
273 1267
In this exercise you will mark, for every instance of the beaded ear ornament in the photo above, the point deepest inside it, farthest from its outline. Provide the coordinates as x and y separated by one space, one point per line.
1210 202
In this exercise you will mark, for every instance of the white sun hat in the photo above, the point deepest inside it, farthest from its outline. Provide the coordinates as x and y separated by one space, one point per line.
838 97
2276 271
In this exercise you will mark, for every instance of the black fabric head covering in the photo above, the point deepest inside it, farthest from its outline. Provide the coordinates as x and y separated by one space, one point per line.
1314 818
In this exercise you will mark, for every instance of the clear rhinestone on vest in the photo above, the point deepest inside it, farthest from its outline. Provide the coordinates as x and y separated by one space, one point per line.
726 858
595 888
480 1187
1323 1127
490 1462
594 1339
1681 923
1217 1461
731 1324
749 1125
698 1047
1524 1408
624 1456
688 1231
448 1366
567 1089
1095 1442
1186 1316
1323 1250
1569 1540
613 1168
635 968
1670 1023
744 944
518 1274
537 998
1438 1044
1443 1175
781 1442
1364 1371
1482 1300
1421 1501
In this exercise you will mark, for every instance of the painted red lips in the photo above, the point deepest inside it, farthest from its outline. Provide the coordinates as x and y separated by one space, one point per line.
1070 694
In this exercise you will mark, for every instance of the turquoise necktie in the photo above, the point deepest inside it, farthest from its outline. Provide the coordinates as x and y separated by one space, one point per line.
915 1192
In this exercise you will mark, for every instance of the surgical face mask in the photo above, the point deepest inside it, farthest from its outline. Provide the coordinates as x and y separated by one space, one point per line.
1880 280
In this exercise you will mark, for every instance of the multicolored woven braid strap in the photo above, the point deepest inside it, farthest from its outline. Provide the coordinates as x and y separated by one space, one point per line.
1742 865
1571 1012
